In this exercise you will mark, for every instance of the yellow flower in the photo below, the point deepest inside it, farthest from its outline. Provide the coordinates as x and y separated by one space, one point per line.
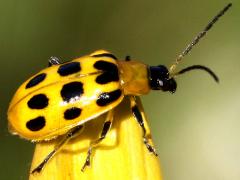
121 155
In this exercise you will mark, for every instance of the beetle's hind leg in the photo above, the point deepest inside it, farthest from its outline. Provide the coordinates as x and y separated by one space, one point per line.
140 119
71 133
106 127
53 61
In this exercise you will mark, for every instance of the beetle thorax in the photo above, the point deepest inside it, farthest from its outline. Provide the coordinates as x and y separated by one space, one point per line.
134 77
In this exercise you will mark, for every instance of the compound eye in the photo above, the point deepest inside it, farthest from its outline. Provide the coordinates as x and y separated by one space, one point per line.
160 83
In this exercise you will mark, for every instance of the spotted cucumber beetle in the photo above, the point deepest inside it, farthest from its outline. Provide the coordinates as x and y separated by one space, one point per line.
61 98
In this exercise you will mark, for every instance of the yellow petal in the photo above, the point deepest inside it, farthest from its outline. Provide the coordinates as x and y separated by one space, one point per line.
121 155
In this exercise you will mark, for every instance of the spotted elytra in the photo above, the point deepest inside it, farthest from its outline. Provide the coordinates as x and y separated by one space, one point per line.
61 98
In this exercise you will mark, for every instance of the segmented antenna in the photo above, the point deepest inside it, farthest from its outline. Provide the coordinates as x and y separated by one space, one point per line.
197 38
199 67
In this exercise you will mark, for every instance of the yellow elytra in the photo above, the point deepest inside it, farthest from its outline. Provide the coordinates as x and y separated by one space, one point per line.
60 92
61 98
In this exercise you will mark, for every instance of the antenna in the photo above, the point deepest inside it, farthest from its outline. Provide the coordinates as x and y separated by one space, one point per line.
200 67
197 38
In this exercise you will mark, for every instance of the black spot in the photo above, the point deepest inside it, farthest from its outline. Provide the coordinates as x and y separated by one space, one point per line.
72 91
110 72
108 97
72 113
36 80
105 55
69 68
39 101
36 124
105 66
107 77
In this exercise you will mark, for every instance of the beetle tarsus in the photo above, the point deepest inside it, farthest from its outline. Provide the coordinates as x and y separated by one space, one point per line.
37 169
150 148
87 162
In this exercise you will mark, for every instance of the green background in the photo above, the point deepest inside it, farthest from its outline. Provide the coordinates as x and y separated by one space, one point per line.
196 130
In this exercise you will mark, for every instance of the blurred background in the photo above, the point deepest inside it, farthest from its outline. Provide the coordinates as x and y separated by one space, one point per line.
196 130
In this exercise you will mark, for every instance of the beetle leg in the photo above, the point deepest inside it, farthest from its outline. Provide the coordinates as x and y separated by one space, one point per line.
71 133
127 58
140 119
106 127
53 61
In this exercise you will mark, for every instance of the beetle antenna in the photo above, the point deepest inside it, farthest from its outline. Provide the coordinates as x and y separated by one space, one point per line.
200 67
197 38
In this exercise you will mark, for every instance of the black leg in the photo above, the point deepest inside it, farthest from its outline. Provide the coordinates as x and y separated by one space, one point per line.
138 116
72 133
106 127
127 58
53 61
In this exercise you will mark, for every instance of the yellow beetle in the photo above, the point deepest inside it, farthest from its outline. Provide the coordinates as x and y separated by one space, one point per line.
61 98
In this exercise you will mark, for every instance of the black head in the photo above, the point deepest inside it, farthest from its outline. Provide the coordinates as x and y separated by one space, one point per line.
159 79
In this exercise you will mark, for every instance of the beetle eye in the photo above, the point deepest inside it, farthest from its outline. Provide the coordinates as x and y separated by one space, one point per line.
159 79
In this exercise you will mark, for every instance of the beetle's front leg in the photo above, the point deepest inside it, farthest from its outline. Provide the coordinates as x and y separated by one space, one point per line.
138 116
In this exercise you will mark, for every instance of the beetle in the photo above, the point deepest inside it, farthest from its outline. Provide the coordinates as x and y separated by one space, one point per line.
61 98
